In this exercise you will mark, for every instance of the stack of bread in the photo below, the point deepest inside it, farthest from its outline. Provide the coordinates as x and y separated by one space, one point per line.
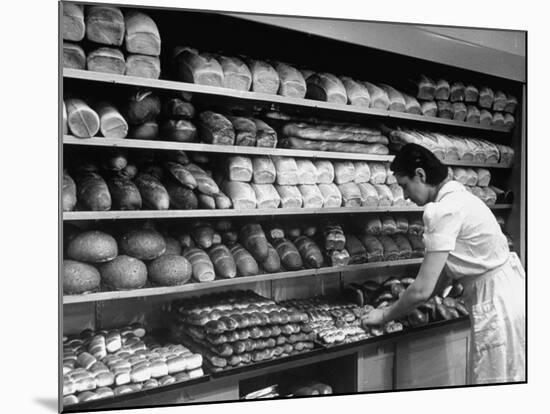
237 328
476 181
104 364
107 29
450 148
465 102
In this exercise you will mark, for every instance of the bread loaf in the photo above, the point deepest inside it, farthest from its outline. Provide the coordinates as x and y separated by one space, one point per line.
509 121
389 226
332 198
402 224
457 92
290 196
124 194
374 248
239 168
344 172
199 68
425 88
266 196
263 170
485 117
429 108
417 245
473 115
287 170
362 172
307 173
511 103
93 193
143 106
265 78
223 261
334 237
325 171
498 119
356 250
378 97
391 251
378 174
385 196
326 87
289 255
148 131
203 235
351 195
483 177
273 263
112 123
79 278
369 195
416 227
82 120
310 252
412 106
442 90
107 60
241 194
73 56
486 97
169 270
489 196
371 226
105 25
143 66
397 194
124 273
181 198
471 94
68 197
397 101
215 128
246 264
73 22
356 92
390 178
180 174
236 74
459 111
499 101
143 244
299 143
311 196
266 136
142 34
445 110
172 246
203 269
153 194
252 237
333 132
291 81
245 131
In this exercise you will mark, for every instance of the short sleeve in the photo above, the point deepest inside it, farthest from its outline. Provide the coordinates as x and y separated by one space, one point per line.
441 227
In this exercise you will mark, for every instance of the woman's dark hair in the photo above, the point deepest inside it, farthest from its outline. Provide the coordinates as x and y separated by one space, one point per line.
413 156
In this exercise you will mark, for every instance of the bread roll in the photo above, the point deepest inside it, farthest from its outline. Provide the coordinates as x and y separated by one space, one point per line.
239 168
378 97
142 106
105 25
73 22
351 195
473 115
68 197
265 79
290 257
263 170
311 196
142 34
325 171
486 97
429 108
236 74
93 193
425 88
266 196
124 194
124 273
442 90
169 270
459 111
266 136
203 269
215 128
241 194
397 101
79 278
445 110
326 87
73 56
356 92
107 60
471 94
287 170
369 195
153 194
246 264
332 198
143 66
82 120
199 68
290 196
362 172
307 173
485 117
291 81
93 247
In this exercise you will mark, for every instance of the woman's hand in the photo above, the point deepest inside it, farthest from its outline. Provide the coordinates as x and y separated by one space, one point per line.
374 317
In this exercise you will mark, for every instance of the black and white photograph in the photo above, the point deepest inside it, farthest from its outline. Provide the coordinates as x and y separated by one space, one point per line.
288 208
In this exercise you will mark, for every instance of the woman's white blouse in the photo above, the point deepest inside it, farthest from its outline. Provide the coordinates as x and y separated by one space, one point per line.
460 223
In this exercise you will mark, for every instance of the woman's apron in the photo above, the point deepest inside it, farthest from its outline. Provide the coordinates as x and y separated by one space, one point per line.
496 302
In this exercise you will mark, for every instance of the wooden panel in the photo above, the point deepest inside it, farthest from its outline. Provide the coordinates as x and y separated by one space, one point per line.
432 360
375 368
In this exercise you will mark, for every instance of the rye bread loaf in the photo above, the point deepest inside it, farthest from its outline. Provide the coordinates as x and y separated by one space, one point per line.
425 88
291 81
177 108
486 97
429 108
459 111
511 104
509 121
73 56
326 87
181 198
143 66
471 94
147 131
79 278
498 119
499 102
472 114
245 130
485 117
236 74
142 34
215 128
105 25
124 273
82 120
445 110
172 246
73 28
457 92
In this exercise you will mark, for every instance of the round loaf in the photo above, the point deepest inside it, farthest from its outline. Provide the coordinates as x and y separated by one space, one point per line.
143 244
79 277
172 246
124 273
92 246
170 270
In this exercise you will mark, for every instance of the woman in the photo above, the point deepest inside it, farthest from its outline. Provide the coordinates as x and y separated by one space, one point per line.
462 237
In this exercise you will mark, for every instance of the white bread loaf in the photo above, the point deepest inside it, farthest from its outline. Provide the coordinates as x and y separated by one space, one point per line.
486 97
325 171
332 198
397 101
265 79
142 34
263 170
291 81
485 117
105 25
429 108
290 196
311 196
195 373
472 114
344 172
287 170
498 119
471 94
351 195
385 196
199 68
83 121
241 194
442 90
425 88
73 56
266 196
143 66
239 168
483 177
397 194
412 106
511 103
356 92
499 102
362 172
471 177
390 178
236 74
459 111
369 195
73 22
378 174
307 173
457 92
326 87
107 60
378 97
111 123
460 175
509 121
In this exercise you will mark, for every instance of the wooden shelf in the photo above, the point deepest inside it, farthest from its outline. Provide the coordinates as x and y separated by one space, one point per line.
198 287
264 98
171 214
229 149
